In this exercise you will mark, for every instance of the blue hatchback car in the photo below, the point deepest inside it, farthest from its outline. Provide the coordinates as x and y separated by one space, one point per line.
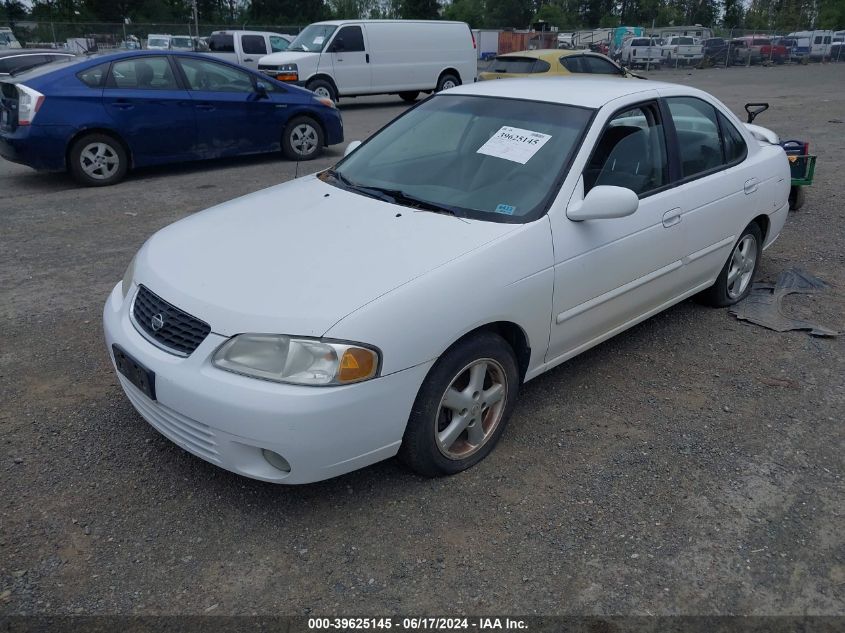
98 116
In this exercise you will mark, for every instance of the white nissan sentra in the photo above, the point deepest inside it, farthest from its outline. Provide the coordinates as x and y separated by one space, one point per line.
397 302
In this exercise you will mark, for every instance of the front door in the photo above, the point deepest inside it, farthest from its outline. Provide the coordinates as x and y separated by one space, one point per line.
611 272
351 61
151 112
232 118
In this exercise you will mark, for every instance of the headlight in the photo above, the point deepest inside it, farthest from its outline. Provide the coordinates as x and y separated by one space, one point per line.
284 72
128 278
301 361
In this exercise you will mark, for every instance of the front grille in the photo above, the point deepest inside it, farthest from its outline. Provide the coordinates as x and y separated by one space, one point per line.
178 332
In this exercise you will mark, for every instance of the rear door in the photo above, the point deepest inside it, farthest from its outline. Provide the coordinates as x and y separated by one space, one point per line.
351 60
231 117
150 109
253 48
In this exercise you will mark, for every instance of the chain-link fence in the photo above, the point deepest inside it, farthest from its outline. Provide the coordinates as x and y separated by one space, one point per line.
715 46
109 35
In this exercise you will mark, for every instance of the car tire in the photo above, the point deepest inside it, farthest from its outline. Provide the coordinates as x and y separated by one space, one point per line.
481 376
302 139
409 97
323 88
734 281
447 81
796 197
98 160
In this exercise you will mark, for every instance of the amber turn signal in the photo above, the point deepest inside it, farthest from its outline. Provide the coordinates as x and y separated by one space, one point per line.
357 364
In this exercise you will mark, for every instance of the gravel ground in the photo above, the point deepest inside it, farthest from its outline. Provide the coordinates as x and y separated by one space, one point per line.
692 465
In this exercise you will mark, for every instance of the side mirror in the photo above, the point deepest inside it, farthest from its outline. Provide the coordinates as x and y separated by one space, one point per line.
604 202
353 145
261 89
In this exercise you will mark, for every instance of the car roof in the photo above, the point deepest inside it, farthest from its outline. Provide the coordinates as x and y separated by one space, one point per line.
547 53
15 52
588 92
339 22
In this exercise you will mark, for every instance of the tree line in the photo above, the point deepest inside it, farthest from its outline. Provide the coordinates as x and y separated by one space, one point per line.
782 15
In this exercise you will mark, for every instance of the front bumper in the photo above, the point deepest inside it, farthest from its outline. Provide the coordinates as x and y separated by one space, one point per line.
227 419
39 147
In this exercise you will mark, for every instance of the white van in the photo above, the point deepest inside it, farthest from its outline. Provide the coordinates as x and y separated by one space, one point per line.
8 39
346 58
820 42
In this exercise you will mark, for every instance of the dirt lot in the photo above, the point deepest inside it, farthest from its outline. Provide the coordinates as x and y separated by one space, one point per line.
693 465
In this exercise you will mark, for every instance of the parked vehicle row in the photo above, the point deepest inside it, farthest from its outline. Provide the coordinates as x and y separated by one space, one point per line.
99 115
246 47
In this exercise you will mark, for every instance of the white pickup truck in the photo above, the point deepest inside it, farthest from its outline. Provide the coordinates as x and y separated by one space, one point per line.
681 49
641 51
246 47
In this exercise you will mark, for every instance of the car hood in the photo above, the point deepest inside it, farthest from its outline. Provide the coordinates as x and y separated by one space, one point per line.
287 57
298 257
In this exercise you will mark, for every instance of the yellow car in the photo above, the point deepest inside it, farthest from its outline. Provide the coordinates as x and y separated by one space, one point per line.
552 61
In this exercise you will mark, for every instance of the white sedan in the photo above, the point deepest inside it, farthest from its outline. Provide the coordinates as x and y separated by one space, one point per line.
397 302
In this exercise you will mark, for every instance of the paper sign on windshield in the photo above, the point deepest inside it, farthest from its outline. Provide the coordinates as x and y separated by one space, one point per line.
515 144
319 40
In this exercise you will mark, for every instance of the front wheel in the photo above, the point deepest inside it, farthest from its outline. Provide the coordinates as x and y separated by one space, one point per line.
462 407
734 282
98 160
323 88
302 139
447 81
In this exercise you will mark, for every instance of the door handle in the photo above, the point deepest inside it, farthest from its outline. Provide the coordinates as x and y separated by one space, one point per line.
122 105
247 59
672 217
367 57
205 106
751 185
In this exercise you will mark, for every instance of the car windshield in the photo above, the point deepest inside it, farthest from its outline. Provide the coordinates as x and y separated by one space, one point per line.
181 42
157 41
486 158
313 39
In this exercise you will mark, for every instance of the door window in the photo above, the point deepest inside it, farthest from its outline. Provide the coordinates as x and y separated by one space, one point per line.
278 44
213 77
142 73
350 39
572 63
698 135
631 153
93 77
254 44
221 43
732 141
599 66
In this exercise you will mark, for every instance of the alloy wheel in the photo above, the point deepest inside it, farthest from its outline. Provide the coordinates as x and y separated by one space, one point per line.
471 408
741 268
99 161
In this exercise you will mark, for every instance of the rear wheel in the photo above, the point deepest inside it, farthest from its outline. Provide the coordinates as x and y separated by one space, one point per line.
98 160
409 97
734 282
462 407
302 139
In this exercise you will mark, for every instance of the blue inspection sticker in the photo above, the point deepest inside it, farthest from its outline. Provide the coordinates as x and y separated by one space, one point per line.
506 209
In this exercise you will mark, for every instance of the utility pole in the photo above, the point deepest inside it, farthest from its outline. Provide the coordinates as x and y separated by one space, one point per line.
196 17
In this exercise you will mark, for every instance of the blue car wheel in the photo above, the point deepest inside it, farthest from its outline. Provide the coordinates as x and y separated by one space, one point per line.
303 139
98 160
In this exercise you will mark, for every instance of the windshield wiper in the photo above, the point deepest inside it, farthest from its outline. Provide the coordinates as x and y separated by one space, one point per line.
400 197
395 196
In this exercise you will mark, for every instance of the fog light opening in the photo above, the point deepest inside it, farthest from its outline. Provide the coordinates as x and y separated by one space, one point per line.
276 461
